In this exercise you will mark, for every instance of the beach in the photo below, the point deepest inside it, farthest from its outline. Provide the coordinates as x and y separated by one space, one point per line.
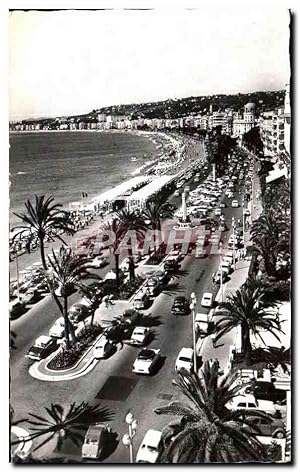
161 145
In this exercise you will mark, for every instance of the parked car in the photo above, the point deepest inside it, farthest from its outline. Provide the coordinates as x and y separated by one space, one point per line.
267 391
171 265
146 361
78 312
274 427
207 300
180 306
16 308
154 285
95 440
163 276
220 274
184 361
131 315
31 297
103 348
201 323
225 267
42 347
140 335
57 330
148 450
249 402
141 300
234 203
218 212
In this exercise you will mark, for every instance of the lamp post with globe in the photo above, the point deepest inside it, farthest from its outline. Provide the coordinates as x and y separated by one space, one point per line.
192 307
128 437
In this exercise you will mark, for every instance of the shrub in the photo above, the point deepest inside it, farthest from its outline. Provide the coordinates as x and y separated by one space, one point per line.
67 358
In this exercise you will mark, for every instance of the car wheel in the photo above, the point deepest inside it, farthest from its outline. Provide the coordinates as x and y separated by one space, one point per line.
279 435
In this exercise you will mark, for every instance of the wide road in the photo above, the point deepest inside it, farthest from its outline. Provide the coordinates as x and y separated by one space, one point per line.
121 389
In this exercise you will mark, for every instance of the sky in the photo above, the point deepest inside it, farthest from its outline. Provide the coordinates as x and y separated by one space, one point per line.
68 62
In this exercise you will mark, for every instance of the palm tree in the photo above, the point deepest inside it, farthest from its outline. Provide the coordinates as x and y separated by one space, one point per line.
42 221
117 228
63 423
94 298
132 221
252 310
207 430
268 249
156 210
66 273
270 225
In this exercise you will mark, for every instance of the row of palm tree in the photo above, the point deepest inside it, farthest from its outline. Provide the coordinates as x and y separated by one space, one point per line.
252 309
66 271
270 234
207 431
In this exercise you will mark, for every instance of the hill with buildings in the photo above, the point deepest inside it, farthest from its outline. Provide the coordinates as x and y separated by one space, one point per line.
174 108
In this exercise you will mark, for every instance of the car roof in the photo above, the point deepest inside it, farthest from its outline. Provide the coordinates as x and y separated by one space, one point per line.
94 430
207 294
43 339
152 438
146 353
186 352
139 329
180 298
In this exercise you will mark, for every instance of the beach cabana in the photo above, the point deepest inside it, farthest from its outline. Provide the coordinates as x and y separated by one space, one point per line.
139 198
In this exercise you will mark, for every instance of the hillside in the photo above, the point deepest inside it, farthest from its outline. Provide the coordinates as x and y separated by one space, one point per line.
173 108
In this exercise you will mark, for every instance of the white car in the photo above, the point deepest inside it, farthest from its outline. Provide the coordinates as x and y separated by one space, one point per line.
234 203
207 299
103 348
140 335
218 212
57 330
184 360
99 261
146 361
148 450
225 267
249 402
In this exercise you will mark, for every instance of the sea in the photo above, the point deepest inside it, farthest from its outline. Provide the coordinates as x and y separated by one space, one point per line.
68 164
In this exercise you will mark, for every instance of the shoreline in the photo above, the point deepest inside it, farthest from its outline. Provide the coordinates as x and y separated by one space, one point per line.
25 259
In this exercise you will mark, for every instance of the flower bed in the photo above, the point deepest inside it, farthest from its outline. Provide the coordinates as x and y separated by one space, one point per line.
67 358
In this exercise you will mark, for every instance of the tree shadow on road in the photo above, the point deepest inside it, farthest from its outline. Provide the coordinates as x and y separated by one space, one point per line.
150 320
173 289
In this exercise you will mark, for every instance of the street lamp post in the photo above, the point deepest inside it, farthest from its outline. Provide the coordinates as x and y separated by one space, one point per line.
192 307
221 269
233 233
243 227
128 438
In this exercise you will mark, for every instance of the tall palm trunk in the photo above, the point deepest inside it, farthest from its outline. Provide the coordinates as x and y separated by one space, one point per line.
42 251
117 269
246 345
66 321
131 264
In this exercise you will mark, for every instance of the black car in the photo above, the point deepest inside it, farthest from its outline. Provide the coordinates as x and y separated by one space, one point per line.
42 347
267 391
171 266
180 306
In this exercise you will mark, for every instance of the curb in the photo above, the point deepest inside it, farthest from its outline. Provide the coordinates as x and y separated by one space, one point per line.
54 376
36 374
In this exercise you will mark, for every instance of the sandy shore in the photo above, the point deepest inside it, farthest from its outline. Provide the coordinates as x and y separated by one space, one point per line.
26 260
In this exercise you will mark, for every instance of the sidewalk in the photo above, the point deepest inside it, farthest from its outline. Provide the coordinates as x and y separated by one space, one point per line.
222 350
